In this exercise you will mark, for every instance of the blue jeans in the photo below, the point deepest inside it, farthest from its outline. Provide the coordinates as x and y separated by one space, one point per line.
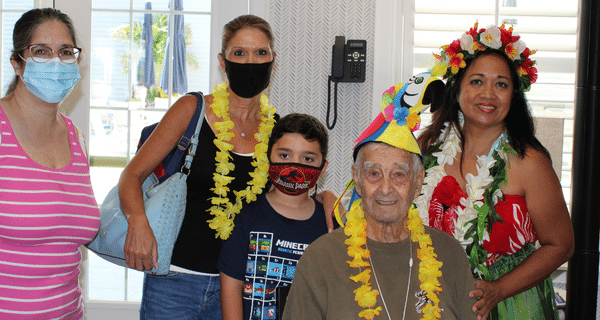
181 296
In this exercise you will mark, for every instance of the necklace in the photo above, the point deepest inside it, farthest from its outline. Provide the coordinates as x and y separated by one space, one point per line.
410 264
242 133
429 267
477 212
223 210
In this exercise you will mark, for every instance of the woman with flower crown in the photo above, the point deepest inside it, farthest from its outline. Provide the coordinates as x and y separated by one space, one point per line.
231 169
489 182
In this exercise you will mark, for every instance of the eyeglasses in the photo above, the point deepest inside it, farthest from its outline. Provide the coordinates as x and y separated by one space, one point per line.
43 54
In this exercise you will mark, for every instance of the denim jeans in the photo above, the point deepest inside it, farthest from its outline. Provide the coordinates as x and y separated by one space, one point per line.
181 296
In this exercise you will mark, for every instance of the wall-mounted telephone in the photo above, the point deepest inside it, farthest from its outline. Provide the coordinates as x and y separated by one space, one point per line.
348 64
349 60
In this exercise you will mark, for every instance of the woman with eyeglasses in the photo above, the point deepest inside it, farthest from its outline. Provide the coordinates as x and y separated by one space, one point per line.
47 206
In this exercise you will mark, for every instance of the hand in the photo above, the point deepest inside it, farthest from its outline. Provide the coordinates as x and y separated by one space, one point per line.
488 294
327 198
141 249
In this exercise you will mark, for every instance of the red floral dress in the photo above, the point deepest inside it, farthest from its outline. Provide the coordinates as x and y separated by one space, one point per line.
507 237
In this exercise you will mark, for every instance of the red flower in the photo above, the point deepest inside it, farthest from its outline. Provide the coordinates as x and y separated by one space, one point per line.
457 62
453 48
507 37
448 191
528 69
473 31
527 53
511 51
532 72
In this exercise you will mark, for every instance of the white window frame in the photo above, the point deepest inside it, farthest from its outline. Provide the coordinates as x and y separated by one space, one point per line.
393 46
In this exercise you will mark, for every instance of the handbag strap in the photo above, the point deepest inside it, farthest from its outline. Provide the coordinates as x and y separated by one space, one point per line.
201 106
174 164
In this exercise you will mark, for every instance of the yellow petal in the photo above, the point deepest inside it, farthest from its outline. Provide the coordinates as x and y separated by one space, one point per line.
357 262
222 156
225 136
358 252
225 229
219 178
223 125
222 145
362 277
224 168
221 192
218 201
369 313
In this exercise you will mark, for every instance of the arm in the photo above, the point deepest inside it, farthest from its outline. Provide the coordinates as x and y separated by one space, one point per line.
551 222
327 198
232 307
140 245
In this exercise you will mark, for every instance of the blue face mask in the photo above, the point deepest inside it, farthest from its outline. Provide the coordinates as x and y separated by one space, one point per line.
50 81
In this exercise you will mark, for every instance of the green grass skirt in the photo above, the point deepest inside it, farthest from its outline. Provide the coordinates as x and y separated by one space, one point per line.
535 303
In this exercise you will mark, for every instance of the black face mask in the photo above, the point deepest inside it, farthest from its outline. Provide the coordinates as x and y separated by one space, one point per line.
248 79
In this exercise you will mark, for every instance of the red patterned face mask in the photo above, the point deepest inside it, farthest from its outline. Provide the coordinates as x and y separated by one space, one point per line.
294 178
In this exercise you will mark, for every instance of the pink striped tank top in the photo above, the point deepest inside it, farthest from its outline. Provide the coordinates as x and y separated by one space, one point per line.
45 216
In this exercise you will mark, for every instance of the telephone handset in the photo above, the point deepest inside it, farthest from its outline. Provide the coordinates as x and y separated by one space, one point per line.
337 59
348 63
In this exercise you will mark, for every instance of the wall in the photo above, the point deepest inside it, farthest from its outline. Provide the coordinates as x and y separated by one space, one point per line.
304 35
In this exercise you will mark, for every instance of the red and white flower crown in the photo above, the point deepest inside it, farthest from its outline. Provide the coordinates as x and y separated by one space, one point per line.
454 56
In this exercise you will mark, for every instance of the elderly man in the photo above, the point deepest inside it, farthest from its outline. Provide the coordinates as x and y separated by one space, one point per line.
384 263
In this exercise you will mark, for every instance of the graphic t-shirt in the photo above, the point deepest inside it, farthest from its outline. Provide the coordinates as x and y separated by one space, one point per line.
263 251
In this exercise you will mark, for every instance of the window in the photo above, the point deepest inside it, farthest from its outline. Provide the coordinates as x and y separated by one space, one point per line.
130 89
126 95
550 27
11 12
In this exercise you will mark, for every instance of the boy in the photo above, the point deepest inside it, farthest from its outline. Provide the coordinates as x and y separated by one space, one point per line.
258 261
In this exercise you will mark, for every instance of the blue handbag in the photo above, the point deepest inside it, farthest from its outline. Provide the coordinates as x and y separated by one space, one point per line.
164 201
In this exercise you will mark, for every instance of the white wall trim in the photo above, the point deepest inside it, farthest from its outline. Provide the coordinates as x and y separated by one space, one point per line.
101 310
393 47
259 8
77 104
223 12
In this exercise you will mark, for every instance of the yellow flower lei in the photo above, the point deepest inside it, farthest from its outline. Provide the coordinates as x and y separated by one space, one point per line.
223 210
429 267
